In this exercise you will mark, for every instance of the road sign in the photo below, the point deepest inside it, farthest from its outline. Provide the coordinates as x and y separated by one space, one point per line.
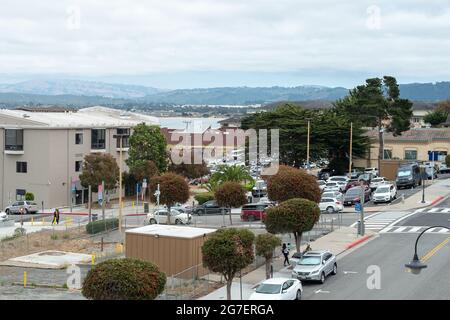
358 207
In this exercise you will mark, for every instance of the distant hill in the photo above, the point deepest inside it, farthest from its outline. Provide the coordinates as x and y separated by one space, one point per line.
78 88
246 95
78 92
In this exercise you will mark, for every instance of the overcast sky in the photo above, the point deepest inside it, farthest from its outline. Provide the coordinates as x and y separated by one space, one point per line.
205 43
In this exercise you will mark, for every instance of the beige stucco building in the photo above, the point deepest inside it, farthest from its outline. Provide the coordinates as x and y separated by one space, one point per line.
42 151
415 144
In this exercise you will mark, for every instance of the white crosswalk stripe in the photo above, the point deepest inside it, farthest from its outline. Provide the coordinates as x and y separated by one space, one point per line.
414 229
380 221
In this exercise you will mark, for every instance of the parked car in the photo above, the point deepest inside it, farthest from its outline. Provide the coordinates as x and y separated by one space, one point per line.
315 265
27 206
278 289
431 172
341 179
385 193
295 258
160 216
260 189
366 177
354 174
322 184
352 183
377 182
210 207
330 205
333 186
408 175
373 171
325 173
254 211
353 195
443 168
3 216
333 194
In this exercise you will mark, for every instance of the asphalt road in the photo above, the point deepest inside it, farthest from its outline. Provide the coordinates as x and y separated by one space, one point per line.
430 217
388 253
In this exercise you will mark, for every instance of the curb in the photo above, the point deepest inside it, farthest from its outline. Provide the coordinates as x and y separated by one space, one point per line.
359 241
438 199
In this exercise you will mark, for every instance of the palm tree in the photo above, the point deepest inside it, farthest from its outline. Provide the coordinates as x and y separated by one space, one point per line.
228 173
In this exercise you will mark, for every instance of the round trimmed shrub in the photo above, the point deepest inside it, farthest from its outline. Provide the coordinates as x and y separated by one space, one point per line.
124 279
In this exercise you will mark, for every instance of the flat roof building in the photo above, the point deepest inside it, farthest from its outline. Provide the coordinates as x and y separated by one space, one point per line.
42 150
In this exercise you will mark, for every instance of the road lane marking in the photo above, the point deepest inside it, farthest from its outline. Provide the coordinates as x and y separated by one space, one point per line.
415 229
443 230
400 229
447 210
350 272
434 210
321 291
434 250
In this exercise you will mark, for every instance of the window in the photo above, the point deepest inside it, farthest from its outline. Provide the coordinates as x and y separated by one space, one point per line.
410 154
78 138
125 140
78 165
387 154
14 139
20 196
21 167
98 139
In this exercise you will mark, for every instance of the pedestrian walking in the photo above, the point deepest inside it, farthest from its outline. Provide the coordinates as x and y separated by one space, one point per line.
55 217
285 252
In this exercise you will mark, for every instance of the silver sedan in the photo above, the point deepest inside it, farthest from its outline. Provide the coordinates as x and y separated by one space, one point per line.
316 266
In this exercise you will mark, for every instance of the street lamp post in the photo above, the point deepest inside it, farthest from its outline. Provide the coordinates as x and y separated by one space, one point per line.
415 265
307 143
423 184
120 139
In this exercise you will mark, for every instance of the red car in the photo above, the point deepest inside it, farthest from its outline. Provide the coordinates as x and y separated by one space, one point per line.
254 211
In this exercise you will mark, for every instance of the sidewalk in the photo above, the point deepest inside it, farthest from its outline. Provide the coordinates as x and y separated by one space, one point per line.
337 242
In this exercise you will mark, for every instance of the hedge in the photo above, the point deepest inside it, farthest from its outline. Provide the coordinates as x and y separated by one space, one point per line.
203 197
124 279
102 225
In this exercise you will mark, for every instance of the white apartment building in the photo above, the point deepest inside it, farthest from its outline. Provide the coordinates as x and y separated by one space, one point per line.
42 150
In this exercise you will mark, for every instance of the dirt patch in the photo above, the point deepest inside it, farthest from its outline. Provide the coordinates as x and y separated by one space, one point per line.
72 240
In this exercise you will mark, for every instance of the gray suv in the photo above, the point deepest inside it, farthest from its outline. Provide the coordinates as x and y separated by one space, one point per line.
210 207
315 265
25 206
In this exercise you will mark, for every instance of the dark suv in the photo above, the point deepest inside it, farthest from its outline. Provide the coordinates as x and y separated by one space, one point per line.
210 207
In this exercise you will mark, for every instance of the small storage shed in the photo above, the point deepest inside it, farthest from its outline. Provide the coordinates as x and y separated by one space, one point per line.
175 249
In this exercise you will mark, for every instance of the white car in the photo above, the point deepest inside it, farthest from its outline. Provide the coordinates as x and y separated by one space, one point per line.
376 182
333 194
278 289
3 216
160 216
385 193
340 179
373 171
322 184
330 205
333 186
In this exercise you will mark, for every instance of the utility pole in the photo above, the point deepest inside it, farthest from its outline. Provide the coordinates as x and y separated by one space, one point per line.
361 218
157 194
350 157
120 185
103 199
307 145
89 202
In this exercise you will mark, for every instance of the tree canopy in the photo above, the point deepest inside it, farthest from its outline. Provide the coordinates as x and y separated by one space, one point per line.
329 134
289 183
230 194
227 251
377 103
265 244
98 167
173 187
438 115
147 143
190 171
292 216
144 170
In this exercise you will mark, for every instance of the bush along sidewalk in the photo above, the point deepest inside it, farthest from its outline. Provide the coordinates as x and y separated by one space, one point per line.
102 225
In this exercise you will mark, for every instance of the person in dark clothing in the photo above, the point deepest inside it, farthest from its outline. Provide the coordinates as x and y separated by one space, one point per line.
285 252
57 216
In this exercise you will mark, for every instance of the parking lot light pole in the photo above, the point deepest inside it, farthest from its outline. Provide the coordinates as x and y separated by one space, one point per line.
361 217
307 144
350 152
423 184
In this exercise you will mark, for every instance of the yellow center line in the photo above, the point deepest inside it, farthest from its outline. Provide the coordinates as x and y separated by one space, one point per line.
434 250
